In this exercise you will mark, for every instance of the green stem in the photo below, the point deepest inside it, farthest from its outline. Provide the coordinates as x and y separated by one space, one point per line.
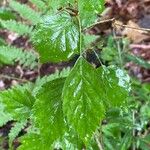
119 49
80 29
80 35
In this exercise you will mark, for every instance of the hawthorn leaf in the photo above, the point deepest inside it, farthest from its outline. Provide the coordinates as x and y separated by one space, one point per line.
55 5
32 141
48 112
116 83
57 38
83 99
69 141
89 10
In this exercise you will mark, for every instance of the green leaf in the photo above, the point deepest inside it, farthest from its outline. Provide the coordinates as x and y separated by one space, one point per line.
16 130
32 141
41 81
88 40
48 112
69 141
40 4
25 11
88 10
126 141
5 117
83 99
17 27
116 84
144 143
10 55
55 5
6 14
57 38
18 102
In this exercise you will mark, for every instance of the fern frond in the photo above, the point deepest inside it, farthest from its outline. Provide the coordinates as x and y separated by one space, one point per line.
18 101
15 131
4 117
39 4
17 27
10 55
25 11
40 81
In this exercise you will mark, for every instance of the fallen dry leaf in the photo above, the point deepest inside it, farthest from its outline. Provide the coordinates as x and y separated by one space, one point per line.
136 36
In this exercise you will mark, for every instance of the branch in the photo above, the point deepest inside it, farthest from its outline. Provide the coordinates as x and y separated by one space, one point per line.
114 23
14 78
139 46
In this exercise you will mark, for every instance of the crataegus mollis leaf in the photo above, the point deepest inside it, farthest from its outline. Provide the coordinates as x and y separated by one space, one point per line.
57 38
48 112
89 10
83 99
116 84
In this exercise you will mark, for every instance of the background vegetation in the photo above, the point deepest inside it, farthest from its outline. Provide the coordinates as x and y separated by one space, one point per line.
122 42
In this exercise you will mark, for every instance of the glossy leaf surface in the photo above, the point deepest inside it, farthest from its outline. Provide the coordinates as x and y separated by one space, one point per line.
83 97
48 110
70 140
89 10
32 141
116 84
56 38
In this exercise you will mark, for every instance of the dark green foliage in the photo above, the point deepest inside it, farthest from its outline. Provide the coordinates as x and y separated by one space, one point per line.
60 34
86 103
48 111
6 14
114 79
65 110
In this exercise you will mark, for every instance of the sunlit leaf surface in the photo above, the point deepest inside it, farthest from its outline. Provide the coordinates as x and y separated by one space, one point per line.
83 97
116 83
48 111
57 38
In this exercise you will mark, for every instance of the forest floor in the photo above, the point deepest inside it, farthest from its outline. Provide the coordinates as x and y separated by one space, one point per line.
131 20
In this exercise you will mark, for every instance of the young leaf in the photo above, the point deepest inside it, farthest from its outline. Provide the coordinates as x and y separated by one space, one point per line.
83 99
56 38
48 111
89 10
116 84
17 100
39 4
